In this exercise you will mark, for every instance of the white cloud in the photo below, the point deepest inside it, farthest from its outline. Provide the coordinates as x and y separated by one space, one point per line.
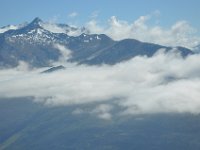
73 14
65 53
180 33
93 27
103 111
164 83
69 30
94 14
78 111
52 27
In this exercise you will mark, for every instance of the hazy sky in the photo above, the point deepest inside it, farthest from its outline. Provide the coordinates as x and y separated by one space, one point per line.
18 11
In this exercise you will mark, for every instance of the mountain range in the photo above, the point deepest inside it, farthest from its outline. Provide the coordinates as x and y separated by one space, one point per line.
36 44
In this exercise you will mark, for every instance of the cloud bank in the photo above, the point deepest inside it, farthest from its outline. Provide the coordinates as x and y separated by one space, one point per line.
165 83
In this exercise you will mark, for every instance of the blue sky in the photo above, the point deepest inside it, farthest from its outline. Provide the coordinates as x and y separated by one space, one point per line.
18 11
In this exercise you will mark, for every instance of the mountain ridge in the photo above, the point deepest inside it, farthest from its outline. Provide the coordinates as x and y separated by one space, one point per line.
35 45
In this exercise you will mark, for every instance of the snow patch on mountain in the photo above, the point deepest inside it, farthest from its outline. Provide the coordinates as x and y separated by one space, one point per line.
37 35
11 27
6 28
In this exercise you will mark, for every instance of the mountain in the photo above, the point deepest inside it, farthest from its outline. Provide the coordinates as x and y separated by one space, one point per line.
35 43
53 69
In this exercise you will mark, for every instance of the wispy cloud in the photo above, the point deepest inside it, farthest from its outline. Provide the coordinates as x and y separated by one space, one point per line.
73 14
94 14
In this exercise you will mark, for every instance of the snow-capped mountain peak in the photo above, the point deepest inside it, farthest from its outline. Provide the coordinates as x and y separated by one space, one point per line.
36 23
49 26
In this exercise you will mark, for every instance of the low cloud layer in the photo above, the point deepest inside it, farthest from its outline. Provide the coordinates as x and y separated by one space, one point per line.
164 83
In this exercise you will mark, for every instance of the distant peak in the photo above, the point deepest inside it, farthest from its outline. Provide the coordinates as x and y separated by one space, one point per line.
36 23
36 20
